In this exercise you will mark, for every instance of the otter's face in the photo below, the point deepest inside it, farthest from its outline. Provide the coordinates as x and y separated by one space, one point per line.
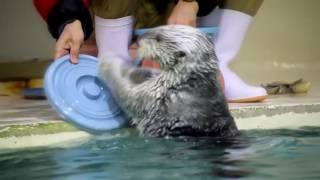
173 45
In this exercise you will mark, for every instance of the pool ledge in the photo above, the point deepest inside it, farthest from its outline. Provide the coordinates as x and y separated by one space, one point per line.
285 111
41 140
26 123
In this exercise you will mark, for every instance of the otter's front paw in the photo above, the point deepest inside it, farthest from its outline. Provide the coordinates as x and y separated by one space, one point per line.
111 68
140 75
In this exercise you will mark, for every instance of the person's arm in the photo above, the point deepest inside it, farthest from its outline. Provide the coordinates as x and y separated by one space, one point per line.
58 13
186 11
69 22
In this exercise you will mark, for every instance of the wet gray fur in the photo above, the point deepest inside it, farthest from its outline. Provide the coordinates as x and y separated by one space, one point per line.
184 98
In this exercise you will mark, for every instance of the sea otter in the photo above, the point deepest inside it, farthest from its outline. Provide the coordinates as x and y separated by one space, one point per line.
184 98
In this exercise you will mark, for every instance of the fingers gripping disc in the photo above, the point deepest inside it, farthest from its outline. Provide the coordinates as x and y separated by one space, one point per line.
80 98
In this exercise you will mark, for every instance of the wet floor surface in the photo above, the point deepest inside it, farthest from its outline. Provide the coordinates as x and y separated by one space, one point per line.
19 111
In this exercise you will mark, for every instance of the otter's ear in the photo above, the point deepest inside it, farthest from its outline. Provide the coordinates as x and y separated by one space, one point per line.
179 54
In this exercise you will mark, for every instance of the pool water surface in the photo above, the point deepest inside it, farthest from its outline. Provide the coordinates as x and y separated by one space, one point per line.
256 154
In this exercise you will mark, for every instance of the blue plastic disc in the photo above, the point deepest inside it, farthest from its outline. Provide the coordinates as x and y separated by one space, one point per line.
79 97
207 30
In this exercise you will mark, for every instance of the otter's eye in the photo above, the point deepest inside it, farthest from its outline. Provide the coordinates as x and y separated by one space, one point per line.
158 38
179 54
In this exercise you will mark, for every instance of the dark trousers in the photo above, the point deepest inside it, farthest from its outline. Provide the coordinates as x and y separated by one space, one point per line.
151 13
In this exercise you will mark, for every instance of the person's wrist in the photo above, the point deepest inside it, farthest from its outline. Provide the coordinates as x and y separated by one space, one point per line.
62 26
193 3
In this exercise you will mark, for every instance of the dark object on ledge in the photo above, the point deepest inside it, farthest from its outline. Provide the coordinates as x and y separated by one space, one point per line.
34 93
299 86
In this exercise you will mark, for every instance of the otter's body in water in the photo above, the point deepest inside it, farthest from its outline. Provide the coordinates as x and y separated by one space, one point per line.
184 98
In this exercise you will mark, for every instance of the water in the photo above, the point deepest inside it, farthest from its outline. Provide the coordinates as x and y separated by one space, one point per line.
276 154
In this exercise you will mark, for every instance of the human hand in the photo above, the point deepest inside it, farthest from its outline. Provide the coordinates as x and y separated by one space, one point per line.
184 13
70 40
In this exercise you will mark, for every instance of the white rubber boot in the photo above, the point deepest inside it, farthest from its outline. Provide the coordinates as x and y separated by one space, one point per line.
233 27
113 35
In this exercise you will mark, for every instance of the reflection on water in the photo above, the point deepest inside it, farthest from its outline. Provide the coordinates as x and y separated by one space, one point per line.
281 154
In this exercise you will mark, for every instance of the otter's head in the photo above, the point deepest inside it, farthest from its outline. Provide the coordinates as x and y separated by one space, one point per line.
177 47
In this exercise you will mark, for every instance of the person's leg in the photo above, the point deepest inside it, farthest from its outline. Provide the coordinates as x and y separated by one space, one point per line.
233 20
150 14
113 25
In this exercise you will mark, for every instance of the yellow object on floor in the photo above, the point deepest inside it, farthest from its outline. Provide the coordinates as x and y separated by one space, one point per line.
12 88
35 83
